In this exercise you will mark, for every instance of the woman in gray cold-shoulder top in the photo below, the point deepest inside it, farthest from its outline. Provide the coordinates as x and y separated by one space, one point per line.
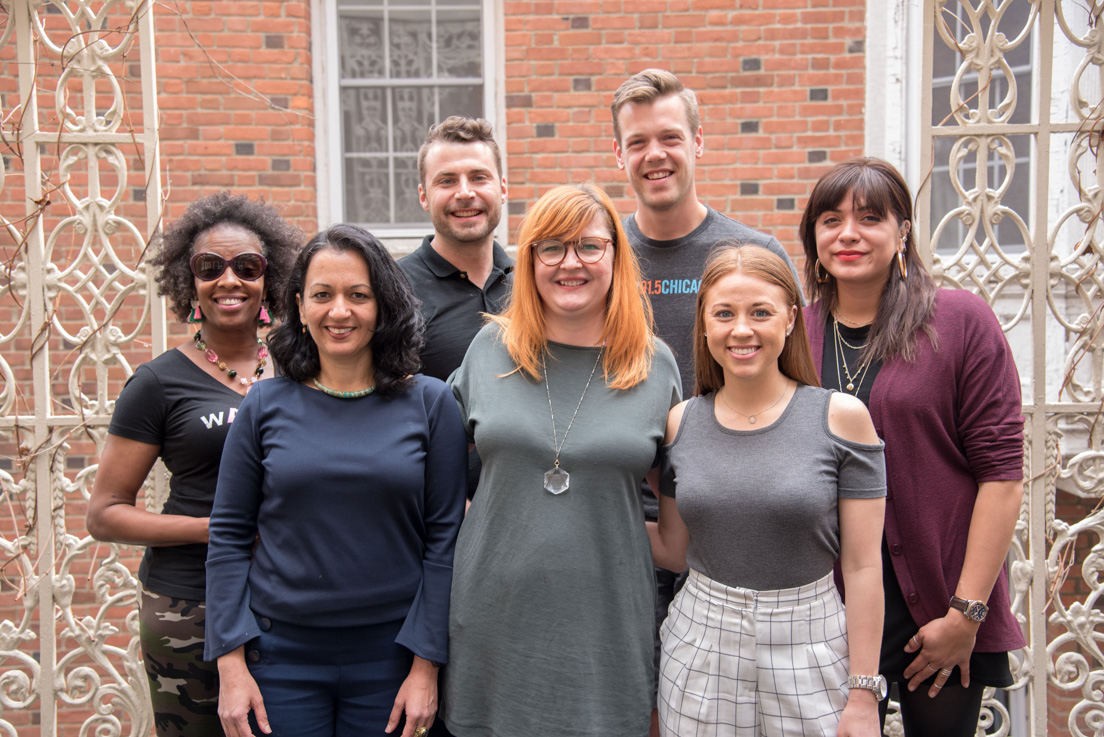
766 480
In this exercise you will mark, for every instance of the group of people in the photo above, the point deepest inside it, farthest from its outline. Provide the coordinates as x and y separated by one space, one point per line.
462 504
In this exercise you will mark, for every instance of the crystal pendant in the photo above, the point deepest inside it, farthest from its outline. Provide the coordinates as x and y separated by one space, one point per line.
556 481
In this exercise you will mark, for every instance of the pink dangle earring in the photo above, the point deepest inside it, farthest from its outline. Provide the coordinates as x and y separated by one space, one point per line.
196 315
263 318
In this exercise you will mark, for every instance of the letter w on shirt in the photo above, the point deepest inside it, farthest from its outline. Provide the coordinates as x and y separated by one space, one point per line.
215 419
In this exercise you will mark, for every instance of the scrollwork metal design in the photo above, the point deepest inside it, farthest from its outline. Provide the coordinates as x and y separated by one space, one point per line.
73 265
1012 255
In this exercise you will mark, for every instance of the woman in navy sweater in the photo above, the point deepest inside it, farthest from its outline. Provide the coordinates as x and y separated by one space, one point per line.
348 473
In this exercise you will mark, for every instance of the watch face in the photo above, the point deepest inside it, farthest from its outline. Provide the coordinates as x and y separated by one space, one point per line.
881 688
977 611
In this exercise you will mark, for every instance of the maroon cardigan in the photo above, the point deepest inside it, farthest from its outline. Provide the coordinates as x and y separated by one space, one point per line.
950 420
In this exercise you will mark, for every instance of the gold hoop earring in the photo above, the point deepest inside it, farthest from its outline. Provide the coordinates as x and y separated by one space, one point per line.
901 265
816 273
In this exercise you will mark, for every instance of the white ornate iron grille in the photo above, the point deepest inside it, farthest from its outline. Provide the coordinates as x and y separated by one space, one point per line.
1011 210
80 196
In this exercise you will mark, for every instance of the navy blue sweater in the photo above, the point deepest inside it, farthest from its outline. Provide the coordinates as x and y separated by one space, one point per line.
357 504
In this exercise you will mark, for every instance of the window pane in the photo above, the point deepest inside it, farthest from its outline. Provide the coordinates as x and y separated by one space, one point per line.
397 57
411 44
364 117
367 196
464 100
361 45
414 113
407 207
459 45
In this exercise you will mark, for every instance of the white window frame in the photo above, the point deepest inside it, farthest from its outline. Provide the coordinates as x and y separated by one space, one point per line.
329 158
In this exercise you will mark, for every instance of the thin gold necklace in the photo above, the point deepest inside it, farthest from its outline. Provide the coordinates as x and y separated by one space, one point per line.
848 321
754 416
864 367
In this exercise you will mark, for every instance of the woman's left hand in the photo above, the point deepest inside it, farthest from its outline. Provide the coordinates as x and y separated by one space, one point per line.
417 697
941 644
860 717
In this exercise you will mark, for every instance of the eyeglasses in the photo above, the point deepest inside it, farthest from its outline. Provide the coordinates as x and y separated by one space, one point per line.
209 266
588 250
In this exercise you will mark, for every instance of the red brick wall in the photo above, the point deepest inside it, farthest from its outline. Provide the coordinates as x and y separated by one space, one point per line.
780 85
237 103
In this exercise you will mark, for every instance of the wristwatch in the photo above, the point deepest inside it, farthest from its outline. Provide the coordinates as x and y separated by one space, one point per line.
877 684
973 609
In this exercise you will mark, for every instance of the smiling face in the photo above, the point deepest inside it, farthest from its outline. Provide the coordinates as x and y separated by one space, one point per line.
574 290
746 321
857 245
658 151
463 192
229 302
338 307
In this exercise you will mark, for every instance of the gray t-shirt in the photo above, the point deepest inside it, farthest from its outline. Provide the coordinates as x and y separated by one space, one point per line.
550 626
672 272
762 506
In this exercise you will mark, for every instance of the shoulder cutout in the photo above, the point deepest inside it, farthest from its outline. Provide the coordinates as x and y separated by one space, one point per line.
849 419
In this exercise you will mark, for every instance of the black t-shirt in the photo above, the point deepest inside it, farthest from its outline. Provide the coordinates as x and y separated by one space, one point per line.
172 403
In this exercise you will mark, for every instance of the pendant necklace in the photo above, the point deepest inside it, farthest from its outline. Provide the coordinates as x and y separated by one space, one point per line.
754 416
556 479
852 384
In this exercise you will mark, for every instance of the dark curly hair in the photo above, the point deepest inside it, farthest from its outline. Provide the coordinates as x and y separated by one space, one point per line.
400 329
280 242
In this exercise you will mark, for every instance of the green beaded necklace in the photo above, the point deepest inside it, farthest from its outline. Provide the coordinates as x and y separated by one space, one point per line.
344 395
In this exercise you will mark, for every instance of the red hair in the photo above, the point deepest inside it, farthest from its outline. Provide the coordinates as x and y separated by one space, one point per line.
627 335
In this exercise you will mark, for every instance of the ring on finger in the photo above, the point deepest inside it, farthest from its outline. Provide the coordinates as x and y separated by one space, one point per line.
937 685
932 667
420 732
945 672
913 640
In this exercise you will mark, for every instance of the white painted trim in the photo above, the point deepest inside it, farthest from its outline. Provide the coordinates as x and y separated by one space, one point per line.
494 94
327 130
894 35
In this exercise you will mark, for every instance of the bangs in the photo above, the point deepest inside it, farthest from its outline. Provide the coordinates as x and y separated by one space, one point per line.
869 188
870 193
563 214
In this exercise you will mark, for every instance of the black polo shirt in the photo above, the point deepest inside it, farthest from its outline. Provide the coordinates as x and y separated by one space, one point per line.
452 305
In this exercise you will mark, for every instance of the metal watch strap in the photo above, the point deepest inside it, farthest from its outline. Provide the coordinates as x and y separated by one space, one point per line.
875 684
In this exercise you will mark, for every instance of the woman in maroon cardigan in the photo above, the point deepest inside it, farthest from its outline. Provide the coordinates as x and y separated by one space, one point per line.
937 374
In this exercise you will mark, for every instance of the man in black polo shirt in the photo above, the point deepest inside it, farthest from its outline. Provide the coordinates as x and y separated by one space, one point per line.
459 271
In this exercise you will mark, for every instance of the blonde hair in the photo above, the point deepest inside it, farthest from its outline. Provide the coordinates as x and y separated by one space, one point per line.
648 86
796 359
627 335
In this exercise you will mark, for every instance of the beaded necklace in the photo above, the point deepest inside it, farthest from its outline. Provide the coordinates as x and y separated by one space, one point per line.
246 381
344 395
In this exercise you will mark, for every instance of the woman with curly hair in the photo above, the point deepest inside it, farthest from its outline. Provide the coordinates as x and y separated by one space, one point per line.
217 264
339 499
